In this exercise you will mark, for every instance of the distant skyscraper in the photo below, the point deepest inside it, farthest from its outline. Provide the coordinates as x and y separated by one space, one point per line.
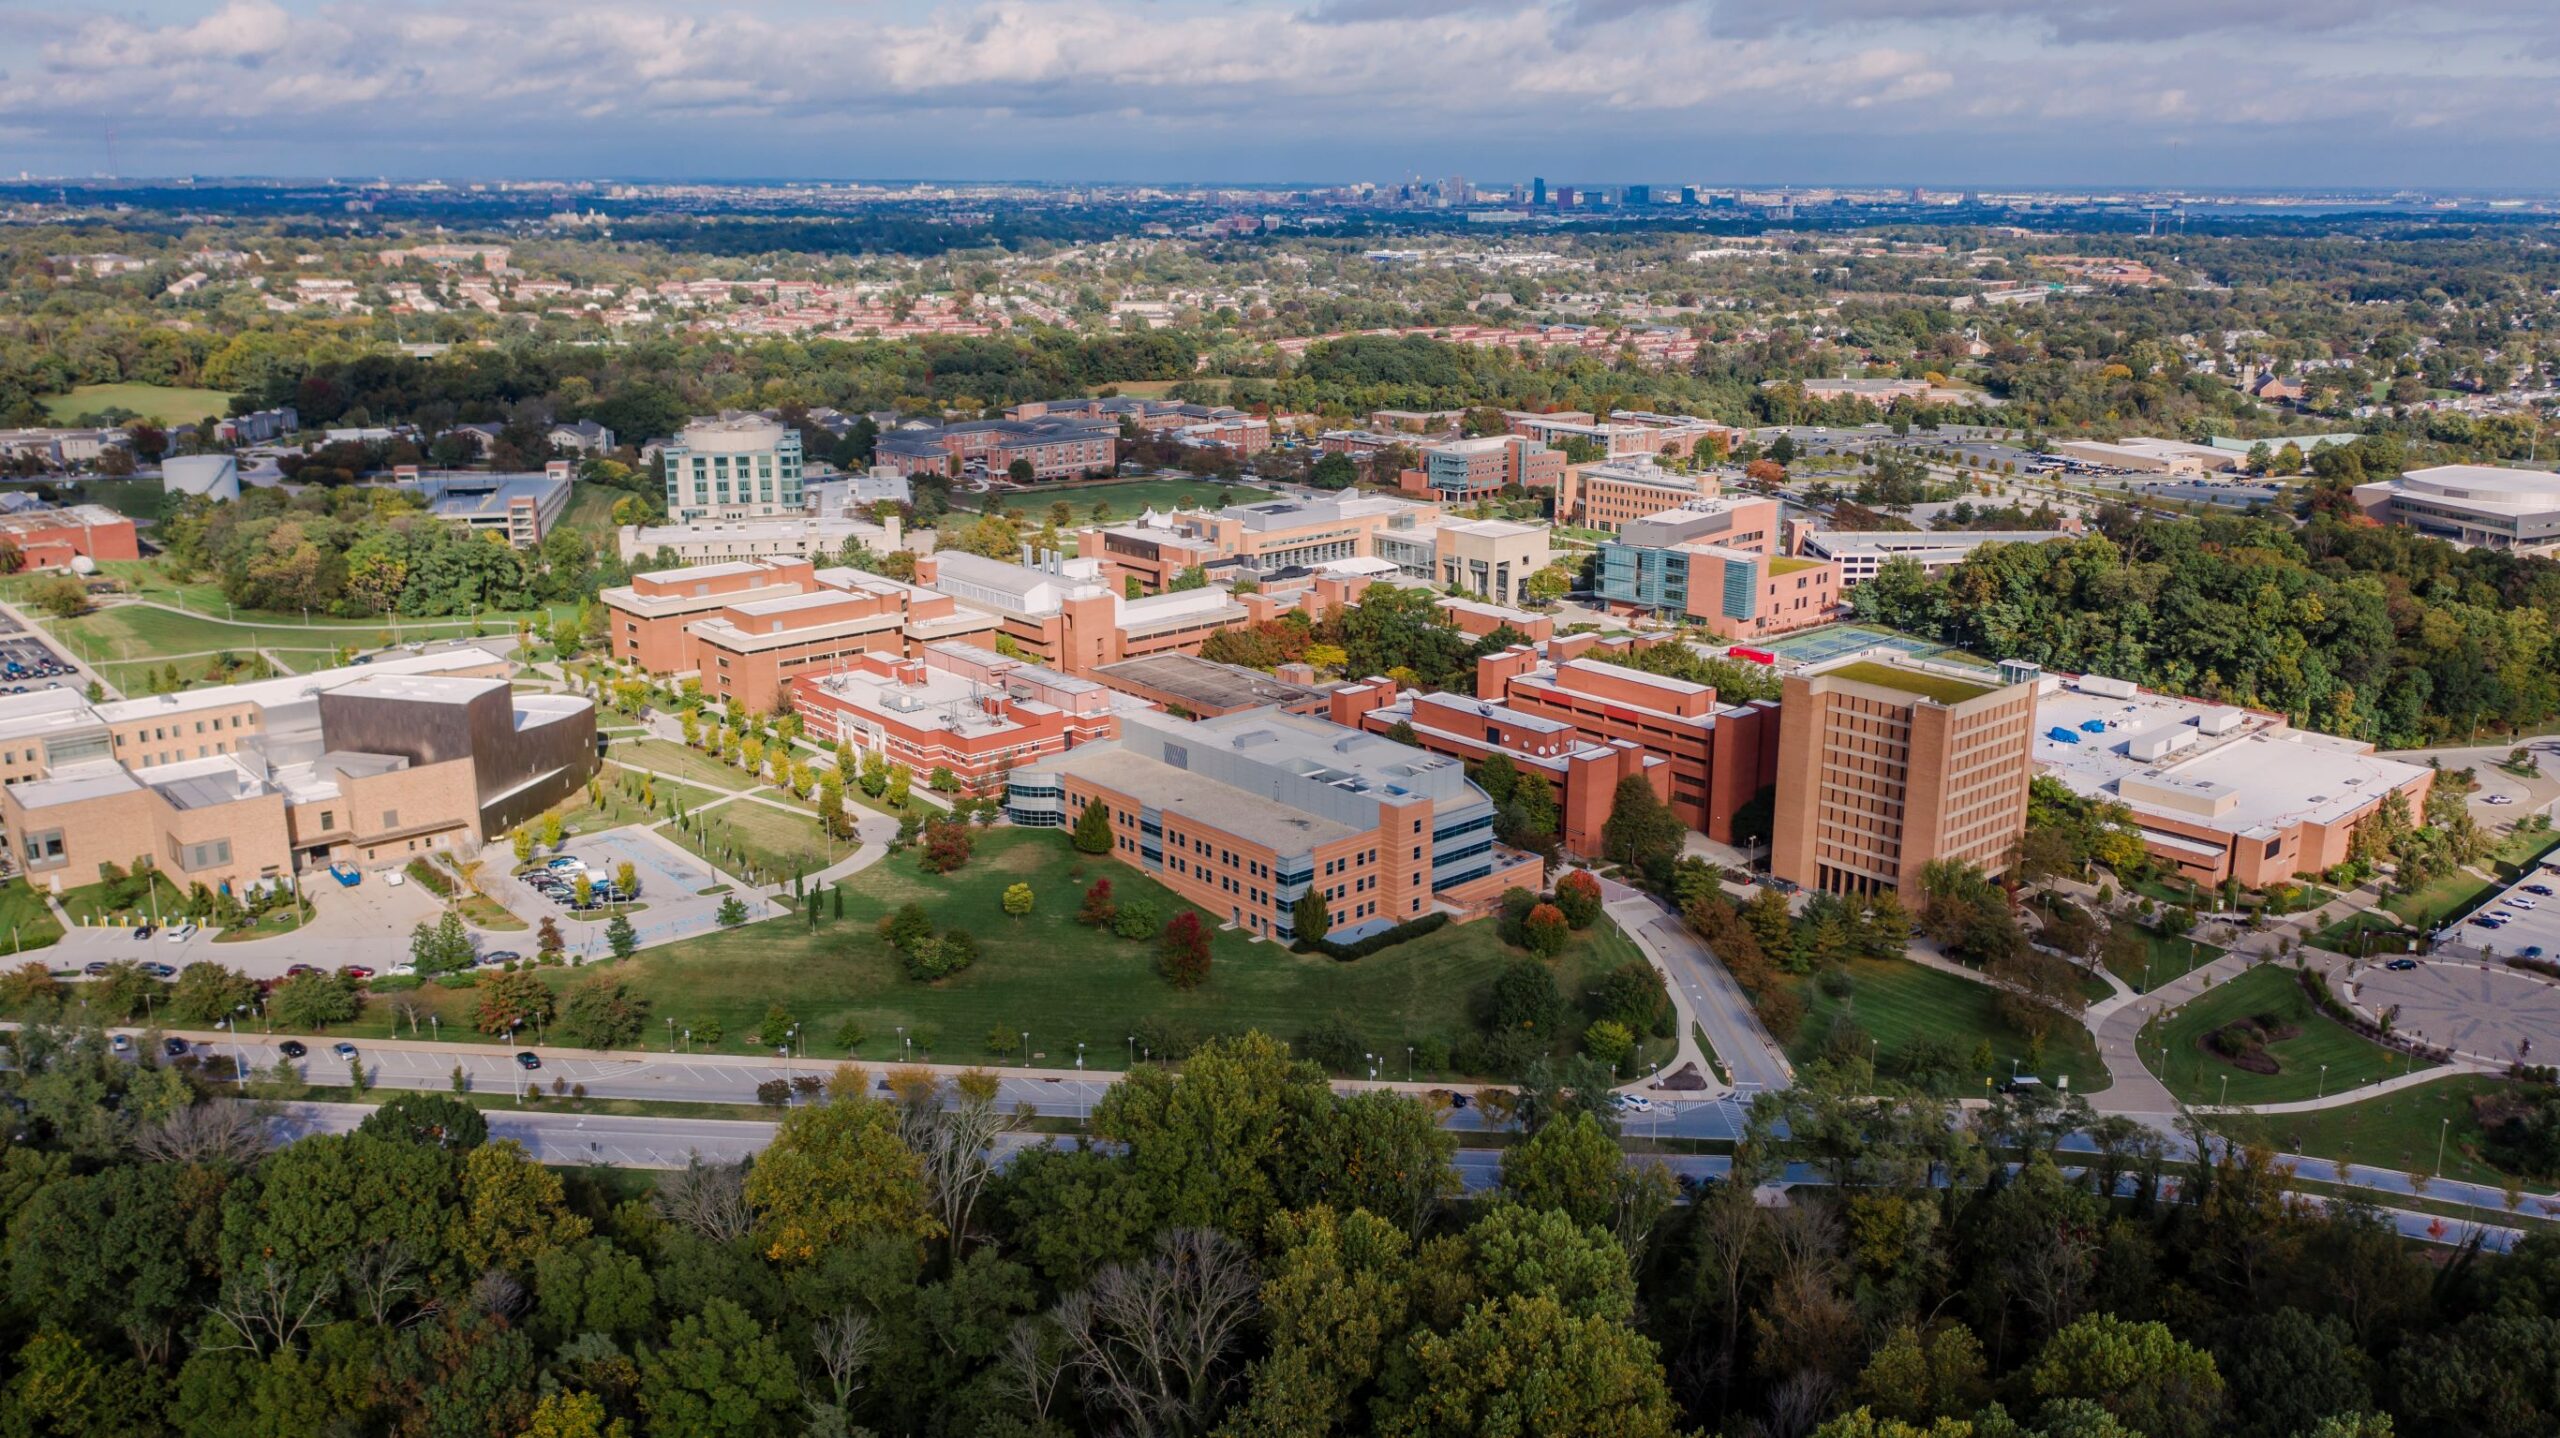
1538 191
1639 195
1689 196
1564 197
1456 191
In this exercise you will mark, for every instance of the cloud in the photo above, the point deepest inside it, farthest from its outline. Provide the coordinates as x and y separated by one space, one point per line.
1351 87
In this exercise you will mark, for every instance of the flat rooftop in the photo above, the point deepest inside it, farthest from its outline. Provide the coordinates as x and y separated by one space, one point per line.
1944 688
1202 685
2258 777
1254 818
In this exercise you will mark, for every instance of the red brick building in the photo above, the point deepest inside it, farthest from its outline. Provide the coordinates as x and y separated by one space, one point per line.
953 706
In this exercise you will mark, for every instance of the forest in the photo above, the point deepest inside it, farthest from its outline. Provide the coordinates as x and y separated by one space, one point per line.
1240 1252
2352 629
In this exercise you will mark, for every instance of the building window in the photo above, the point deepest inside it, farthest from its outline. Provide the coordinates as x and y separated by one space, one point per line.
390 818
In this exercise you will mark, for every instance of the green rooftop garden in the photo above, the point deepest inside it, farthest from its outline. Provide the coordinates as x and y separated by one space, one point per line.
1943 688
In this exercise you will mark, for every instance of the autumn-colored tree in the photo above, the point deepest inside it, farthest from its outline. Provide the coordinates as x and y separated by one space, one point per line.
1545 931
512 1001
1098 910
1183 953
1578 895
837 1172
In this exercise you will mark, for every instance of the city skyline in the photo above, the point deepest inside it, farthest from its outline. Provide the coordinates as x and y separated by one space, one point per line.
1823 92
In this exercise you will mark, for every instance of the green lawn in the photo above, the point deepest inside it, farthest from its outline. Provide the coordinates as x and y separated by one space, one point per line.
2169 959
2347 936
161 404
86 904
133 498
266 925
23 913
666 756
132 632
1045 973
590 511
1130 497
758 842
2196 1074
1898 1003
2397 1130
2431 906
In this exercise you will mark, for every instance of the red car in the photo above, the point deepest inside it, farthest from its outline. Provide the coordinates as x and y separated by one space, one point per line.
354 971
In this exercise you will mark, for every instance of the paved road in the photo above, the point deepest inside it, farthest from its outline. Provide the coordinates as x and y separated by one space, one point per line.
1750 1056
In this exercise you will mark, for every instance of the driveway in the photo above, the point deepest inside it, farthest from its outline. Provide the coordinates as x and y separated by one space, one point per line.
368 924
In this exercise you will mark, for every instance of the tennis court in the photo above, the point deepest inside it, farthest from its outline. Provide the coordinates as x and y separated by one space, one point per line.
1831 641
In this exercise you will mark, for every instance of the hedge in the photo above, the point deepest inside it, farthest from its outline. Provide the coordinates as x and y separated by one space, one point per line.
431 879
1388 938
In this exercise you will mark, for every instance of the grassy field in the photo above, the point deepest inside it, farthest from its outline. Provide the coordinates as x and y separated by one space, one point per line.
2196 1074
590 511
30 925
2169 959
758 841
1045 973
2430 906
2347 936
1898 1003
1130 497
2397 1130
158 403
125 633
666 756
132 498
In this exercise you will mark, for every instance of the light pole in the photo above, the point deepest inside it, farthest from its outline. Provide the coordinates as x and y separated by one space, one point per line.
2323 1091
2441 1130
1133 1050
671 1034
2226 1091
1079 1056
1026 1048
1408 1063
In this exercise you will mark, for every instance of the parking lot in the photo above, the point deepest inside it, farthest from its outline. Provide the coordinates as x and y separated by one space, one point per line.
2482 1011
671 884
2520 920
28 662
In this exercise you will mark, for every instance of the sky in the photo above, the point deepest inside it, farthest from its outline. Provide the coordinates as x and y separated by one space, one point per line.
2440 94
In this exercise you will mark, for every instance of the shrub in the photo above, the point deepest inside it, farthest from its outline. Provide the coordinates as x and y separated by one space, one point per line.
941 955
1781 1012
1837 984
430 878
1137 919
1524 1000
1098 910
1383 939
947 845
1018 900
1334 1045
603 1013
908 926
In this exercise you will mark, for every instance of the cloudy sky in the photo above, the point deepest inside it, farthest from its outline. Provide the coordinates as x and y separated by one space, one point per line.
1952 92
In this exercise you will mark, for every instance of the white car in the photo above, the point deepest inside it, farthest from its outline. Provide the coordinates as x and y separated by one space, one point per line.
182 932
2520 903
404 970
2496 799
394 878
1632 1103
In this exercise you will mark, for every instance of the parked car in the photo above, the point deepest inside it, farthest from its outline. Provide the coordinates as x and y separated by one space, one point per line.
95 968
161 971
121 1044
182 932
174 1048
343 1049
528 1059
354 971
292 1048
2401 966
501 956
2496 799
2542 889
2533 951
142 931
567 864
291 970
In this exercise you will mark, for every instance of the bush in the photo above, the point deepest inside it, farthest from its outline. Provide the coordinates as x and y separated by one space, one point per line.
1630 995
430 878
602 1013
1136 919
1182 955
947 845
1836 984
1781 1012
941 955
1334 1045
1385 938
1545 931
1098 910
1523 1000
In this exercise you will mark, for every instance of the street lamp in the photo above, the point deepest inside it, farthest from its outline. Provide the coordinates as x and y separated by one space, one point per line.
1133 1050
2323 1091
1408 1063
1079 1056
1026 1048
2441 1130
671 1034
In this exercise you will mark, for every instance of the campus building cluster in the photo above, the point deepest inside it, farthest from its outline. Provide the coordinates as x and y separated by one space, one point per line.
1717 562
251 784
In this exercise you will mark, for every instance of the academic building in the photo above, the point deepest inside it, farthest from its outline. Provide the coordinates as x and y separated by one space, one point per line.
954 706
1244 814
1884 767
250 784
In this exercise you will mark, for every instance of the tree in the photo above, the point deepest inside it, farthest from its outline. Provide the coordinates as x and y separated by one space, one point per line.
548 941
837 1172
720 1375
1609 1042
1524 1000
1578 897
521 840
2139 1372
551 830
1641 830
511 1210
621 937
947 846
602 1013
942 781
1182 955
732 912
508 1002
207 993
434 1119
626 877
1093 828
1098 910
314 1000
1311 916
1523 1364
443 947
1545 931
1150 1341
1018 900
60 597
